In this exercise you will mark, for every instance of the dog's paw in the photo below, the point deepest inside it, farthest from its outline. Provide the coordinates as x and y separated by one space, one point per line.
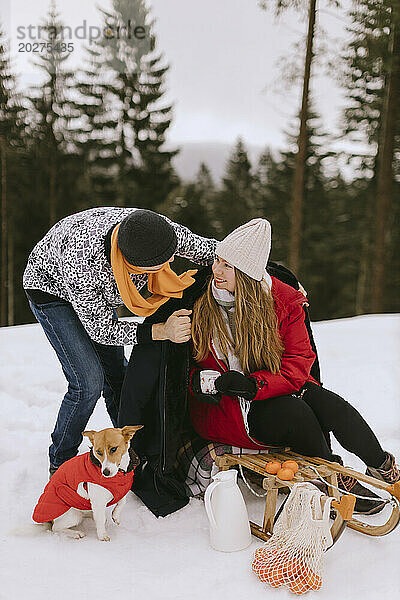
75 534
104 538
79 534
116 520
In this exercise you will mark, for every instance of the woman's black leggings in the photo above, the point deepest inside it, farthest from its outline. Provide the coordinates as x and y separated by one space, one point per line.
305 423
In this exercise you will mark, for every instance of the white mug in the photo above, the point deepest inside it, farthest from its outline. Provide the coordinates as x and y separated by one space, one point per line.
207 381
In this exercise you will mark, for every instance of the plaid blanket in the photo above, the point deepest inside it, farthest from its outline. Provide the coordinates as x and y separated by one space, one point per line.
195 462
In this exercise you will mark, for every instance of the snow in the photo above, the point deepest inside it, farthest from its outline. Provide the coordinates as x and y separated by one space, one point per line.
171 558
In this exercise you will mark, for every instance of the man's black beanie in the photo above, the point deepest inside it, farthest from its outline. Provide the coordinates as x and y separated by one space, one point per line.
146 239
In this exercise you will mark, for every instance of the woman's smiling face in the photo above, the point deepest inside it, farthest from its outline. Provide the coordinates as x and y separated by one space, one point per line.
224 275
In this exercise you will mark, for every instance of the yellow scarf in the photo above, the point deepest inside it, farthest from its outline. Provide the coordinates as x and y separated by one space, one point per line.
162 283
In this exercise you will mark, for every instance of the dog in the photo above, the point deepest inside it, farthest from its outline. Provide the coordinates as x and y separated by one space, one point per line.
86 484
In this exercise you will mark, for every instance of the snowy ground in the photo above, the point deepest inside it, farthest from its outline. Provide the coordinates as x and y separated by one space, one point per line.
171 558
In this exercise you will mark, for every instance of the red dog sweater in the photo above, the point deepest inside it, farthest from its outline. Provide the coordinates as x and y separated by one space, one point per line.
60 494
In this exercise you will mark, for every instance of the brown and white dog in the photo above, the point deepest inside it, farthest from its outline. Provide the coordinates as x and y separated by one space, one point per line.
86 484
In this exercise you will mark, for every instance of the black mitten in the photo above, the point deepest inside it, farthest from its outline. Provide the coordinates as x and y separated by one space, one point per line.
233 383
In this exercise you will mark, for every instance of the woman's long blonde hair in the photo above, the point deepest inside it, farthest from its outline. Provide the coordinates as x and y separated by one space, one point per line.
257 342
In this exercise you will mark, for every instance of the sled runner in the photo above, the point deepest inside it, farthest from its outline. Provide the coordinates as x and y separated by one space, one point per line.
312 469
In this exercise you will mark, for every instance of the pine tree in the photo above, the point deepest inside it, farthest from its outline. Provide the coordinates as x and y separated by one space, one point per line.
299 176
236 203
326 222
11 129
125 119
385 170
364 77
272 192
298 182
193 204
207 191
50 139
373 116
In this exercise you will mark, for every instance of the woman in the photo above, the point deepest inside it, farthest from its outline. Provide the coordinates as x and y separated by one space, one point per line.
251 384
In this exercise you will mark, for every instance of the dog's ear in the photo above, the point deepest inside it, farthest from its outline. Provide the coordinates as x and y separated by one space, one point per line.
90 435
129 431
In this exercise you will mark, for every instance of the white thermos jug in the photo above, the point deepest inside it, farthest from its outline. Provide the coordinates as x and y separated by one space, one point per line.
227 513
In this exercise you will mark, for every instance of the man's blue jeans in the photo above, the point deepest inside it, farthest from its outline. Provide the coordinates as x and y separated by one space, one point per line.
91 370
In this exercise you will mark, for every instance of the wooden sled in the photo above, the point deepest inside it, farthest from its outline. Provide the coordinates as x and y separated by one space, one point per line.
343 505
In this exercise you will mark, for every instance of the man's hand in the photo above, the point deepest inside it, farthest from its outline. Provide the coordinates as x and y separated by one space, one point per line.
176 328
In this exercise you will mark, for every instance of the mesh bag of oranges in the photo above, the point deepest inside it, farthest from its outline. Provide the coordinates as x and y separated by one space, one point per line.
293 556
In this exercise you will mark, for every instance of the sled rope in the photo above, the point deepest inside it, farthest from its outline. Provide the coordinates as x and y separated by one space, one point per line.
393 501
387 501
247 484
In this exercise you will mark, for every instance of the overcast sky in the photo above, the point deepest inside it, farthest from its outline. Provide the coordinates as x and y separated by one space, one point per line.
226 75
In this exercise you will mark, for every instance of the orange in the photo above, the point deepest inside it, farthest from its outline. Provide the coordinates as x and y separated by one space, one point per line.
294 568
314 581
272 467
290 464
261 564
299 585
274 576
285 474
263 573
263 554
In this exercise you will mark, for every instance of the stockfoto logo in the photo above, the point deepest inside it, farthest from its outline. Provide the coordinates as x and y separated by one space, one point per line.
91 33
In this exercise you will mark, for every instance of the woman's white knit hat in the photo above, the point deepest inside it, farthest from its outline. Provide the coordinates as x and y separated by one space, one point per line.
247 248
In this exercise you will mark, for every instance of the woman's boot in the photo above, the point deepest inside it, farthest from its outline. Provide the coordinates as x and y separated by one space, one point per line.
370 505
388 471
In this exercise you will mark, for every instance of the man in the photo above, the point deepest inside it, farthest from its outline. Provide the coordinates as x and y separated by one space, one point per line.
85 266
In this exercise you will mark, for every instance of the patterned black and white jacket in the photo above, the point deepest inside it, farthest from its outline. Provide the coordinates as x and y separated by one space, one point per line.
70 262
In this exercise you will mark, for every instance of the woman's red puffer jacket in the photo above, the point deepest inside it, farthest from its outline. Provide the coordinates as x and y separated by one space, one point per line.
224 422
